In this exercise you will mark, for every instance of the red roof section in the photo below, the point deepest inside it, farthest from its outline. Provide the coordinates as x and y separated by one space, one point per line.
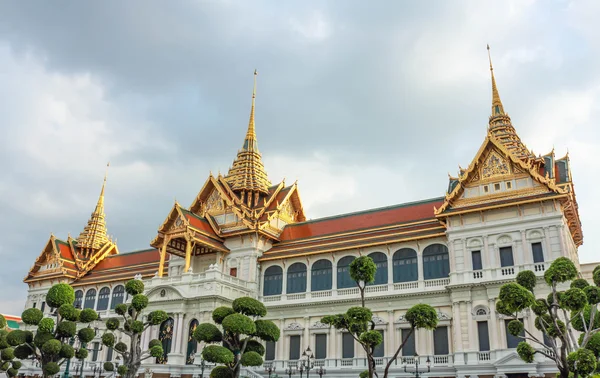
128 259
403 213
65 250
200 224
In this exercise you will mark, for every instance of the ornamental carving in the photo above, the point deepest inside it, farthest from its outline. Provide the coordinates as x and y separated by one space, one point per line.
318 324
443 316
215 202
294 327
494 166
377 320
287 211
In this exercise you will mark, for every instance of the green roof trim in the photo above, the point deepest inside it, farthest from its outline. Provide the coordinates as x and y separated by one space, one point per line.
12 324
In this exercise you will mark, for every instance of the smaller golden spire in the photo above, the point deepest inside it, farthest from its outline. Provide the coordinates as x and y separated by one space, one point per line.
497 108
94 235
251 134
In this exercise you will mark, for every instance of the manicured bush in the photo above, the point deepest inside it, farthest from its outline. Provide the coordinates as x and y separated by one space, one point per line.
51 368
121 347
16 364
86 334
249 306
363 269
41 338
593 294
525 351
22 352
68 312
46 325
121 309
112 324
251 359
66 329
134 287
52 347
7 354
539 307
371 338
221 372
154 342
88 315
139 302
267 330
221 313
59 295
81 353
579 283
208 333
157 317
156 351
582 361
16 337
122 370
422 316
515 297
32 316
527 279
515 327
255 346
217 354
238 323
561 270
109 366
67 351
108 339
574 299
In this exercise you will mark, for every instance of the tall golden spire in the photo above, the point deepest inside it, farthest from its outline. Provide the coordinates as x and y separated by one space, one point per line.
497 108
247 174
94 235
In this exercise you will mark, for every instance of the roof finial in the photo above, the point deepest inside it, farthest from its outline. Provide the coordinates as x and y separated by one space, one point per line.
94 234
251 134
497 108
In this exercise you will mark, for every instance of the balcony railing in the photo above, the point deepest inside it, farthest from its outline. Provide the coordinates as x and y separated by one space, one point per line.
361 362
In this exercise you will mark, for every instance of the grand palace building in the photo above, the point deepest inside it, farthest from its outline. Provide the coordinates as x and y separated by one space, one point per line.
244 235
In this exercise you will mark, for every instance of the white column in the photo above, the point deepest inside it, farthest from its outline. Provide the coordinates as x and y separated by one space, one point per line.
334 275
420 264
452 256
493 325
284 282
182 336
527 253
390 272
457 327
390 336
471 327
308 279
548 247
281 343
306 336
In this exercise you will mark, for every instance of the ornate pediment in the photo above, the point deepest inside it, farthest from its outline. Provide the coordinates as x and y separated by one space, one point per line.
495 165
163 294
294 327
319 325
214 203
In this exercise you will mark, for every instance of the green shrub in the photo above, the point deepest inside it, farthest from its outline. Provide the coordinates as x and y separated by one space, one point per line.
50 368
52 347
121 347
217 354
139 302
108 339
515 327
88 315
86 334
157 317
154 342
156 351
267 330
81 354
137 326
593 294
249 306
221 313
251 359
582 361
579 283
7 354
41 338
255 346
221 372
46 325
109 366
422 316
2 322
208 333
527 279
59 295
68 312
515 297
121 309
364 374
16 364
525 351
66 351
371 338
16 337
593 343
66 329
32 316
539 307
561 270
552 331
238 323
122 370
134 287
574 299
112 324
577 322
22 352
11 372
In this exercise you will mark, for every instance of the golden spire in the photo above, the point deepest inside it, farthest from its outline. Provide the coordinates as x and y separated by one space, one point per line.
247 173
94 235
497 108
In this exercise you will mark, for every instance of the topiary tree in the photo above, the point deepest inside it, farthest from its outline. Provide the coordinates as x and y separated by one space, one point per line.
52 343
132 353
558 317
8 364
239 332
358 321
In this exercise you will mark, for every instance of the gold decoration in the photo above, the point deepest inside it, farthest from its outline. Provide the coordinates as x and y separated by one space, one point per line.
494 166
214 203
94 235
287 212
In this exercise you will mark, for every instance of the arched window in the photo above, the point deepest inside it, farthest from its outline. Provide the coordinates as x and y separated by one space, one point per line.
90 299
273 280
192 344
118 295
343 273
165 335
405 265
103 297
321 278
381 275
436 262
296 278
78 299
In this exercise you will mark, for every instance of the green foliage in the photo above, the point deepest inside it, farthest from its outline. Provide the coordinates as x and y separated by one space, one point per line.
51 368
59 295
7 354
515 327
4 365
577 322
134 287
109 366
66 351
68 312
121 309
221 313
41 338
515 297
16 337
32 316
86 334
593 294
139 302
2 322
552 331
561 270
22 352
422 316
267 330
582 361
66 329
539 307
208 333
217 354
112 324
154 342
137 326
88 315
240 324
593 343
108 339
157 317
596 277
52 347
11 372
527 279
156 351
122 370
221 372
121 347
81 354
359 314
559 296
3 342
371 338
579 283
46 325
249 306
255 346
364 374
574 299
525 351
251 359
363 269
16 364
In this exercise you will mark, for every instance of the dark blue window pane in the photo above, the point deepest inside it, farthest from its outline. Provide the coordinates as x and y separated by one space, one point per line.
78 298
347 345
321 346
379 350
103 298
321 275
295 347
436 262
343 273
476 258
506 257
381 275
440 341
409 348
270 351
484 336
405 265
563 175
118 296
273 281
90 299
538 252
296 278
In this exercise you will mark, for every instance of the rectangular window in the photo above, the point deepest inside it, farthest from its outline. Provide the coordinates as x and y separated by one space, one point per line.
509 185
484 336
497 186
476 258
409 348
440 341
109 354
547 340
506 256
295 347
380 349
347 345
486 189
270 351
538 252
34 304
233 272
43 306
95 351
512 341
321 346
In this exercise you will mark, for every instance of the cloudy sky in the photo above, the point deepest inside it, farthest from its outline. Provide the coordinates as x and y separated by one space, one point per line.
366 104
